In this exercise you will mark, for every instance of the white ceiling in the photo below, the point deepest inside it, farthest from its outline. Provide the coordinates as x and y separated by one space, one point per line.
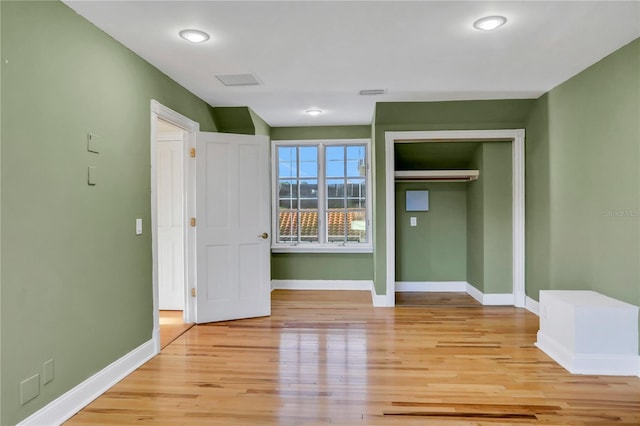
320 54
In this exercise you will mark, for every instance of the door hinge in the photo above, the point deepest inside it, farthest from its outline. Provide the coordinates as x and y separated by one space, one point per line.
193 221
193 292
193 152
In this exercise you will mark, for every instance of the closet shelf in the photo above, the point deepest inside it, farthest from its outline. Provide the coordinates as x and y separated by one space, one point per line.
437 175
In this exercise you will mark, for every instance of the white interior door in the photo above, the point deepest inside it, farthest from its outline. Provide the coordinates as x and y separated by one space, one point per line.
233 220
170 190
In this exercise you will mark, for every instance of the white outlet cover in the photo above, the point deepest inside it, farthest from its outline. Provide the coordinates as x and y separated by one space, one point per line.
138 226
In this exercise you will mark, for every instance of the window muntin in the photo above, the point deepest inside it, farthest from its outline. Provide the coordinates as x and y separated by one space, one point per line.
322 194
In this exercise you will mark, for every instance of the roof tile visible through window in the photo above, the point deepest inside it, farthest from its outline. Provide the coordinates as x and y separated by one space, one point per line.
335 226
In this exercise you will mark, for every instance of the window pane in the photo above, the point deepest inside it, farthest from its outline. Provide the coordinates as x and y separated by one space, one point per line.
309 189
334 157
356 225
308 161
356 203
336 226
309 226
288 226
356 188
285 189
356 161
284 204
335 203
287 162
308 204
335 188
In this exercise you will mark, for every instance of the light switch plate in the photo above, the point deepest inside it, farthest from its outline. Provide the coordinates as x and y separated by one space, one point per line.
47 372
29 388
138 226
92 143
92 175
414 221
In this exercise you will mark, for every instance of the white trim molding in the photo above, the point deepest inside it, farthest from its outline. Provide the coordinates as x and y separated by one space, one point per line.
532 306
596 364
516 137
490 299
64 407
364 285
382 300
431 286
474 292
190 129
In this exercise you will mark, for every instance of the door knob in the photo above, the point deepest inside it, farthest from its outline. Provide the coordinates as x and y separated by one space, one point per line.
264 235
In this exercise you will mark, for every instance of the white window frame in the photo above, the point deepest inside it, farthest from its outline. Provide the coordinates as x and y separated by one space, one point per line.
323 246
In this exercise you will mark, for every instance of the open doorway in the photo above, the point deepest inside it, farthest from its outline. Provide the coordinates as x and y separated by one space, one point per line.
173 240
170 200
516 295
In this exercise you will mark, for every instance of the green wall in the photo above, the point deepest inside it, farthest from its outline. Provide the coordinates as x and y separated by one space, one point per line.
321 266
260 126
475 224
320 132
537 201
413 116
489 220
234 120
498 217
76 280
435 249
584 148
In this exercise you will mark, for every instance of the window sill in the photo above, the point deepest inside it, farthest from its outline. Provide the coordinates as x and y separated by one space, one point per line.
327 248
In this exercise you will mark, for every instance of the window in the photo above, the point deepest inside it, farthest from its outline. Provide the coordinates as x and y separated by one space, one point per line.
321 195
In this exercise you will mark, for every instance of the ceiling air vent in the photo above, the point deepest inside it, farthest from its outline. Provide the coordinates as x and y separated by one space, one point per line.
373 92
238 79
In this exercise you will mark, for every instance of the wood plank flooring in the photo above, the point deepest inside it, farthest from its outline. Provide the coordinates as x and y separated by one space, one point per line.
436 299
172 326
331 358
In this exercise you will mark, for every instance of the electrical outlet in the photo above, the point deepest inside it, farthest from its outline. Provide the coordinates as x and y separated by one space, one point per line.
47 372
138 226
414 221
29 389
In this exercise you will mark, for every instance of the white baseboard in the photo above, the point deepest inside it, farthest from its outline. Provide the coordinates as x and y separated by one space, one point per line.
383 300
532 305
431 286
490 299
498 299
321 285
596 364
64 407
401 286
474 292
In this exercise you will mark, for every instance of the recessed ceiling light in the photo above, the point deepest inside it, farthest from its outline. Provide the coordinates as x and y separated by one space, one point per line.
489 23
194 36
314 112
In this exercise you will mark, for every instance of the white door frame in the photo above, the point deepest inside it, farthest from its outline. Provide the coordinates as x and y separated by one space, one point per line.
191 128
516 137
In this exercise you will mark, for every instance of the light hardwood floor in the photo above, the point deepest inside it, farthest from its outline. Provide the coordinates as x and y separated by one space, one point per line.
331 358
172 326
